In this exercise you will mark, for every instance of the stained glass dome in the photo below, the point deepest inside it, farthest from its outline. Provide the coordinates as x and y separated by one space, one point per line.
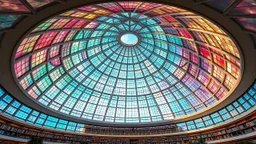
127 62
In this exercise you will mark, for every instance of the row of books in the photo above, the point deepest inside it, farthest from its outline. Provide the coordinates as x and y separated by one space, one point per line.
23 132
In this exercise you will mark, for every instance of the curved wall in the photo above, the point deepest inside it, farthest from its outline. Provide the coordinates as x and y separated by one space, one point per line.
17 23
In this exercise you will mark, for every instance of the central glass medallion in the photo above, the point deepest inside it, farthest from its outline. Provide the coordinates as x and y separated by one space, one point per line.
129 39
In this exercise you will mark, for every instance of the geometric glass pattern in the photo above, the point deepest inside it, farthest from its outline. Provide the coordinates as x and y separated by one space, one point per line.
179 63
14 109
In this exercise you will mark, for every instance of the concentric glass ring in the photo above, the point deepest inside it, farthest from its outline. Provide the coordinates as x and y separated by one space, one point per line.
75 63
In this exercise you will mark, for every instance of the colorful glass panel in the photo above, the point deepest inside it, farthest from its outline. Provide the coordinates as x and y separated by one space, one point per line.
76 63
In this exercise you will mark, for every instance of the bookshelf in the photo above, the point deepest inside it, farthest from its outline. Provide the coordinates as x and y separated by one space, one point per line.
241 128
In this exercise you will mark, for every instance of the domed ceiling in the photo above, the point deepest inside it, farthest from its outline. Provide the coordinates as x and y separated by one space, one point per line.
127 62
